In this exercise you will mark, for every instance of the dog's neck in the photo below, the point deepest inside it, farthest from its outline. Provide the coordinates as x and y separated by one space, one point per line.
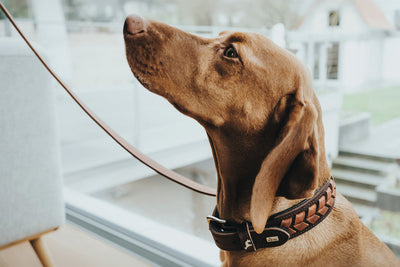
238 160
237 164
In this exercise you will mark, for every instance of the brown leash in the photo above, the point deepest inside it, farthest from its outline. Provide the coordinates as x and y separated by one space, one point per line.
167 173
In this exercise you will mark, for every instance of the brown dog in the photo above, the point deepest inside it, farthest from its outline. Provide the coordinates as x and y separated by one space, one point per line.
264 122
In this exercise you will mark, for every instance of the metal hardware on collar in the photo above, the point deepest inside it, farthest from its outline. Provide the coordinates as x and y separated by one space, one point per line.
167 173
215 219
276 236
247 244
280 227
245 237
272 239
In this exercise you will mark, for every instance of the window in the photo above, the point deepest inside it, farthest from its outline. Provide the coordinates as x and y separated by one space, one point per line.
332 62
334 18
317 52
116 197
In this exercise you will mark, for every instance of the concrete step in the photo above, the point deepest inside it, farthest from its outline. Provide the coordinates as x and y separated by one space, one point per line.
364 165
357 195
355 178
345 151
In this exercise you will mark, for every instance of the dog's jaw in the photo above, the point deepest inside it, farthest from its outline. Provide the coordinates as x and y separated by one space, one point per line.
143 63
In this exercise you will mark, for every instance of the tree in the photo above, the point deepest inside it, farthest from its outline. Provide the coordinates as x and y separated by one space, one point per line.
264 13
240 13
197 12
17 8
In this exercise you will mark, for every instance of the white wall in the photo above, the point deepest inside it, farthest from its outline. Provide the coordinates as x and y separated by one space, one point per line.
361 62
351 65
330 104
351 20
391 60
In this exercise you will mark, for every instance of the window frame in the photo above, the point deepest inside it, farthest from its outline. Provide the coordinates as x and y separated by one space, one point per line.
148 240
334 13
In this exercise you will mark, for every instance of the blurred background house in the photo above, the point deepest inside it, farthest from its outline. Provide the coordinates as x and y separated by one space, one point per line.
350 46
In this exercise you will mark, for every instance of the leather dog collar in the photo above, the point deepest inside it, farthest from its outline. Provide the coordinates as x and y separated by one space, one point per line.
280 227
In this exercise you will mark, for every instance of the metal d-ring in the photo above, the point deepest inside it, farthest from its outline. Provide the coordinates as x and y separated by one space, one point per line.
215 219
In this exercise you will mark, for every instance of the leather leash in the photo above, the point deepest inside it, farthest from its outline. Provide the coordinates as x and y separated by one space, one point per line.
158 168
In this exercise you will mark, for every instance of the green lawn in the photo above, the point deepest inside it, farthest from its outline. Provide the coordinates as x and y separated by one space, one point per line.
387 225
382 103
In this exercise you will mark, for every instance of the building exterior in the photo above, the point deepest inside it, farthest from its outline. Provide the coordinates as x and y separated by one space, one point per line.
349 44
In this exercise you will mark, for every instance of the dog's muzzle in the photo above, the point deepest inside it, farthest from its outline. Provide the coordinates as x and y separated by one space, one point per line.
134 25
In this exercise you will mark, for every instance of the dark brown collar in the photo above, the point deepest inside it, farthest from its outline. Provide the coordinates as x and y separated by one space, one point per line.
280 227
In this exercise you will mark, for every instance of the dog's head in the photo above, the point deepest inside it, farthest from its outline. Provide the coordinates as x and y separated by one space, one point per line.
240 82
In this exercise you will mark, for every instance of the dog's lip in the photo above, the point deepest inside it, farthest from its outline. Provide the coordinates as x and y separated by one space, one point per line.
130 34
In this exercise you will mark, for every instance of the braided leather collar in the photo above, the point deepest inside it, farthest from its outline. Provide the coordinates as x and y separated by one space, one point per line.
280 227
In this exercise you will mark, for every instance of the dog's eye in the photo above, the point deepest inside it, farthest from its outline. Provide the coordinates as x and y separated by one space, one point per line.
230 52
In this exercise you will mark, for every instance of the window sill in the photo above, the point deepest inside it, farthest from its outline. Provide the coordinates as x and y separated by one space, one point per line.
154 242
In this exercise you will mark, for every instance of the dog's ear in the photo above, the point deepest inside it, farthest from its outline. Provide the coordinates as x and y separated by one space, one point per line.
298 126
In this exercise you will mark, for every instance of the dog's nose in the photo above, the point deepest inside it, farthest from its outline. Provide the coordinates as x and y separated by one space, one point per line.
134 24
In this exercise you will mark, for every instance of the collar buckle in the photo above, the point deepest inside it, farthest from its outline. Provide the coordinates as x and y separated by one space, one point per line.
211 218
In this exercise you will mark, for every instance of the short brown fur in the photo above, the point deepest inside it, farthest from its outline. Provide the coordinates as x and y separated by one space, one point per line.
264 124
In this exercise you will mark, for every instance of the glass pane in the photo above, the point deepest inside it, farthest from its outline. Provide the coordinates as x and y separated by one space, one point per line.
161 200
359 99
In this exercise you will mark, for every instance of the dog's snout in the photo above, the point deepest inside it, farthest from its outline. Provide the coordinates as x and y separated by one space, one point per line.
134 24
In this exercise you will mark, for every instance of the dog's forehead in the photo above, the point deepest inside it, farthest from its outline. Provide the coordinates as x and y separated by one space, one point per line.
248 38
233 37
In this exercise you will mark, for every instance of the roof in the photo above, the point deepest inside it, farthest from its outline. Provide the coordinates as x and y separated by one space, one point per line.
371 14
